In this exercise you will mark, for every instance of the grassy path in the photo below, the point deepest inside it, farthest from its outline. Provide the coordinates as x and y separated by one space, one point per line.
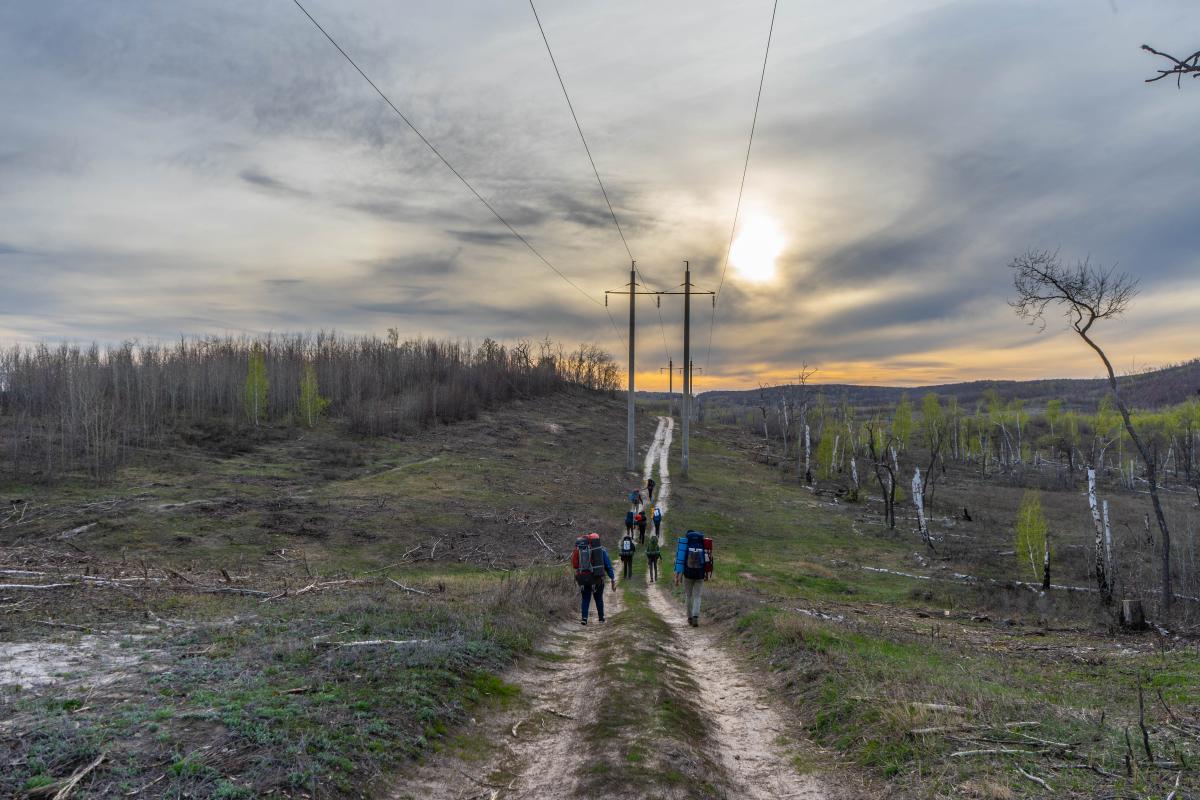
640 707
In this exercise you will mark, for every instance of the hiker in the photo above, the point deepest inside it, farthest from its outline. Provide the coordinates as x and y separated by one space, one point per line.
640 519
635 499
628 548
657 521
591 563
629 520
652 555
650 489
693 565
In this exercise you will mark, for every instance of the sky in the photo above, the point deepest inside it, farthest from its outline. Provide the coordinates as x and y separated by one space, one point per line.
216 167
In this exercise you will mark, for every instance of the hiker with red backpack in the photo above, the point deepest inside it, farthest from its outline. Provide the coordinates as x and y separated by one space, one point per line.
591 563
628 548
693 566
640 519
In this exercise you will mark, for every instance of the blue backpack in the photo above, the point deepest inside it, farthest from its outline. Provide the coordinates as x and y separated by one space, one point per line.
694 556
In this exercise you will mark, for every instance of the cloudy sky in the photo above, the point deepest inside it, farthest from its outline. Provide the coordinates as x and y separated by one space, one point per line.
214 166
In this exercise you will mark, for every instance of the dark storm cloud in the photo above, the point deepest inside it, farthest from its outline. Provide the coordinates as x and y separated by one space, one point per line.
406 267
263 181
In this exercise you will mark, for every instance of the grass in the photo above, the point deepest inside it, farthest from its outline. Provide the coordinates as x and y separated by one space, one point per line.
861 686
232 696
650 731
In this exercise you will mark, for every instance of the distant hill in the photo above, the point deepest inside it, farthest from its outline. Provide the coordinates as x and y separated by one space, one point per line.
1152 389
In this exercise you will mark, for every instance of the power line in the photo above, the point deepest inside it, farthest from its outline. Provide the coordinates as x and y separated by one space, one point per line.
442 158
741 187
595 170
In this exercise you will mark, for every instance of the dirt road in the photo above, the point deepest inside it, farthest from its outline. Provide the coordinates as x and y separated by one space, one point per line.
561 739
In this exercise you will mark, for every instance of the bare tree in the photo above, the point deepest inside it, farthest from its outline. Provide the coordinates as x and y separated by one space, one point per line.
880 443
1086 294
1178 66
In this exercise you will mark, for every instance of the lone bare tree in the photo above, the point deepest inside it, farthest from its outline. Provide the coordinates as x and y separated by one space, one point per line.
1086 294
1178 67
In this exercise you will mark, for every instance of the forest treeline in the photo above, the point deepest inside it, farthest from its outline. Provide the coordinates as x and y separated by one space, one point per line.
905 452
1155 388
69 408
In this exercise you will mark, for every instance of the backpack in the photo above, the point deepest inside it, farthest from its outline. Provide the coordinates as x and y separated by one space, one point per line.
635 497
627 546
591 562
708 557
695 556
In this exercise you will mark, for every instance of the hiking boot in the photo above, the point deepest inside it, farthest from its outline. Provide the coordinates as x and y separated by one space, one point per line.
583 621
602 619
695 623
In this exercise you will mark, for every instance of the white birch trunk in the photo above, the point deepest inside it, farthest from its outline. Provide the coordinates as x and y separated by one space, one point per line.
895 461
1108 548
1101 562
854 472
807 451
837 438
919 502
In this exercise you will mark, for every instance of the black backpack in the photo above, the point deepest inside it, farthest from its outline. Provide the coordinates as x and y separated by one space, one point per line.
694 556
627 546
591 562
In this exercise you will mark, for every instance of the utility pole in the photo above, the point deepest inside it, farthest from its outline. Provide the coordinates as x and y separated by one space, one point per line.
630 445
686 409
693 369
670 369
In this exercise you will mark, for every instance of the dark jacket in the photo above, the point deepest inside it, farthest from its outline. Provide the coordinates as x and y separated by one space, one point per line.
632 547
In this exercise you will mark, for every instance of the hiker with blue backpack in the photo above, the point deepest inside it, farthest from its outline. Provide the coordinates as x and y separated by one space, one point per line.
657 517
630 518
591 563
693 565
635 499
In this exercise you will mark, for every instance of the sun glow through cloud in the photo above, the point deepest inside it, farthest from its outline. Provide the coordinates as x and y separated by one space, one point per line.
756 249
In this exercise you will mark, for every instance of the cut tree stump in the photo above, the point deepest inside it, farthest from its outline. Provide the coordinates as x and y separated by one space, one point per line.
1133 615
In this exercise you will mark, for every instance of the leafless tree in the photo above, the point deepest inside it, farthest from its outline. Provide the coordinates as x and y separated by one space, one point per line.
881 443
1178 66
1087 294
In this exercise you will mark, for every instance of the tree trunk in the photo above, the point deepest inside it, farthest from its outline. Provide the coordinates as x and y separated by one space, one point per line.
1151 473
1101 568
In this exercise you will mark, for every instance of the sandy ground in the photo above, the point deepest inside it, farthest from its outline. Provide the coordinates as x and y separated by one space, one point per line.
538 739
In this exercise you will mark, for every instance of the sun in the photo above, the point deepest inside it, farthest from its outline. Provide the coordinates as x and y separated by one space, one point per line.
756 249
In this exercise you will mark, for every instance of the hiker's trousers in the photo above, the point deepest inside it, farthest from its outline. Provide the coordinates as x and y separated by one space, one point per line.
652 563
691 596
626 566
590 591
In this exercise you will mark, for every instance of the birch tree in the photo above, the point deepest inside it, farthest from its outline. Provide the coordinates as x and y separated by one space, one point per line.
1032 538
1087 294
254 392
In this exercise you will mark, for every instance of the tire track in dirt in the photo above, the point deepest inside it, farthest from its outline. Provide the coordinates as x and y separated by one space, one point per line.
748 728
533 743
